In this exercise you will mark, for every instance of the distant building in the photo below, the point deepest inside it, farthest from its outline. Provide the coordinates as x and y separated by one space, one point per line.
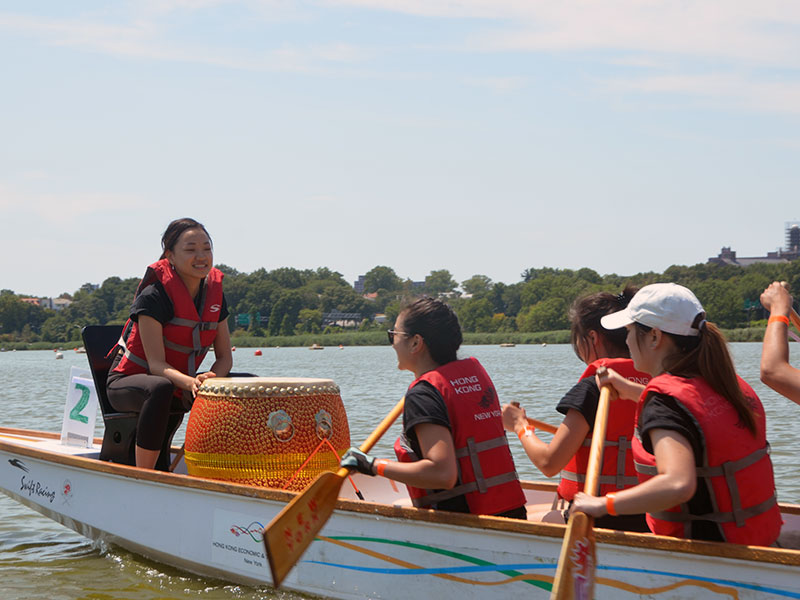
359 285
790 252
51 303
55 303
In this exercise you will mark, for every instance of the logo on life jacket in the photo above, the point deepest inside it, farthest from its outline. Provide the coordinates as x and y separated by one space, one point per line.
488 398
214 308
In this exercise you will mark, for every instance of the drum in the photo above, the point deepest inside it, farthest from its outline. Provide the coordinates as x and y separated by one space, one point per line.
271 432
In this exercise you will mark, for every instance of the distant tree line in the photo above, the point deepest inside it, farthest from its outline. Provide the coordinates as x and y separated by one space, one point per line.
288 301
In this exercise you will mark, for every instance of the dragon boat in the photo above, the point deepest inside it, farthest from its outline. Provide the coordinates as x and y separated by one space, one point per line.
379 547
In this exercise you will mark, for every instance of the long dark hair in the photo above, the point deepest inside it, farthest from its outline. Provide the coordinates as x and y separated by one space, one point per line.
438 325
174 231
706 355
585 314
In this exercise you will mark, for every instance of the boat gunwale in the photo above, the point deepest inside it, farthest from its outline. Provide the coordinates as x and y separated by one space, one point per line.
782 556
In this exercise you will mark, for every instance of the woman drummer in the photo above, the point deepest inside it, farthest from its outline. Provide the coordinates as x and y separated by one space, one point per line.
568 452
701 451
776 372
178 313
451 423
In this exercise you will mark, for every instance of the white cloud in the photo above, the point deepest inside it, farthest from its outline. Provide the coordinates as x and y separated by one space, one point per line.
23 205
765 31
145 38
744 92
715 50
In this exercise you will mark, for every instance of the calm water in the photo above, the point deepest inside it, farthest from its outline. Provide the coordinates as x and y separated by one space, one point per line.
40 559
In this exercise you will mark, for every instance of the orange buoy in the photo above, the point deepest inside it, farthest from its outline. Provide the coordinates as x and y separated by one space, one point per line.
257 352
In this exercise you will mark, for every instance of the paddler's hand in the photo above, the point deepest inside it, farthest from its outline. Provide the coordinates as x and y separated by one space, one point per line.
620 386
514 417
199 379
355 459
776 299
591 505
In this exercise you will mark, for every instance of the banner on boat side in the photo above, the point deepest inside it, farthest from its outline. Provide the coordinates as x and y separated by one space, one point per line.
80 411
237 541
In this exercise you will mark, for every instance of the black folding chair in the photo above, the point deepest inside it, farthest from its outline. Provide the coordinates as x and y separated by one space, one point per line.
119 439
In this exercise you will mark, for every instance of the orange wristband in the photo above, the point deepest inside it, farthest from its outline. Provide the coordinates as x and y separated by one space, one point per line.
380 466
527 432
610 509
782 318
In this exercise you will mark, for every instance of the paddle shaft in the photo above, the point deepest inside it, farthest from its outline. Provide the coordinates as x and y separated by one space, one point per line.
575 573
294 528
542 425
598 437
538 424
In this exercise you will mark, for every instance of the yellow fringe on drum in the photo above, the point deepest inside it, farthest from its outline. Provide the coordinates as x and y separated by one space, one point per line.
263 470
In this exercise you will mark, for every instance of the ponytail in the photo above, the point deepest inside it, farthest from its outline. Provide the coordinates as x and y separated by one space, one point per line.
707 355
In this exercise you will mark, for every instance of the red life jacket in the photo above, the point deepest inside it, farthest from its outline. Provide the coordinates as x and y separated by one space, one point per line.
735 466
188 335
487 476
617 471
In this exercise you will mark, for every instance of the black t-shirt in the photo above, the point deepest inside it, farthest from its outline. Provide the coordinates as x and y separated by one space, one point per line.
583 397
661 411
424 404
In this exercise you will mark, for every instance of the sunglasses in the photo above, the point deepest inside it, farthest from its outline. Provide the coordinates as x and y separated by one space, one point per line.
391 333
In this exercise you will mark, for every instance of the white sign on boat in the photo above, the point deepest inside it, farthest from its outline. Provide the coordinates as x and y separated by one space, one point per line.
80 410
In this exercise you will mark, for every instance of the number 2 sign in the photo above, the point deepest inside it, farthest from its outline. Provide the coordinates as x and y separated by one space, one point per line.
80 411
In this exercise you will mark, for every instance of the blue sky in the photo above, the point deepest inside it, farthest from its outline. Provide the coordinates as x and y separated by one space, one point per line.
480 136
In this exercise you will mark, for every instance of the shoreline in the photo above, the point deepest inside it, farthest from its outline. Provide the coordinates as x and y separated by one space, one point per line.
378 338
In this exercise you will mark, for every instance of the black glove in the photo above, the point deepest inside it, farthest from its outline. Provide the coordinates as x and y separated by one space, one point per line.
356 459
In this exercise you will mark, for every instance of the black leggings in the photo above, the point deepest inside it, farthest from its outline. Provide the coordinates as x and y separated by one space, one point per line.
149 395
152 396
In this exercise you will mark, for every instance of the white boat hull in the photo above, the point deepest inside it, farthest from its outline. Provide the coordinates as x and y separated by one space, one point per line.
367 550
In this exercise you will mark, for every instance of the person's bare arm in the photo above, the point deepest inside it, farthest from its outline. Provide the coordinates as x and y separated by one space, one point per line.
776 372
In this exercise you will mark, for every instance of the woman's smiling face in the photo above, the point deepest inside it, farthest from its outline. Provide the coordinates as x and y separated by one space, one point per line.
192 256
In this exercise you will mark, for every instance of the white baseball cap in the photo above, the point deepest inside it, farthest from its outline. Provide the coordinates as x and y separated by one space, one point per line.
666 306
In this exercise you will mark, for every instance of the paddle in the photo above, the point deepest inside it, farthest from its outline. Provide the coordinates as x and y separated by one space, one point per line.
542 425
294 528
575 573
538 424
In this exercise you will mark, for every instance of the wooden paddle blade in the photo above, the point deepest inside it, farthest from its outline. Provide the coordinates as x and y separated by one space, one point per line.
294 528
574 578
